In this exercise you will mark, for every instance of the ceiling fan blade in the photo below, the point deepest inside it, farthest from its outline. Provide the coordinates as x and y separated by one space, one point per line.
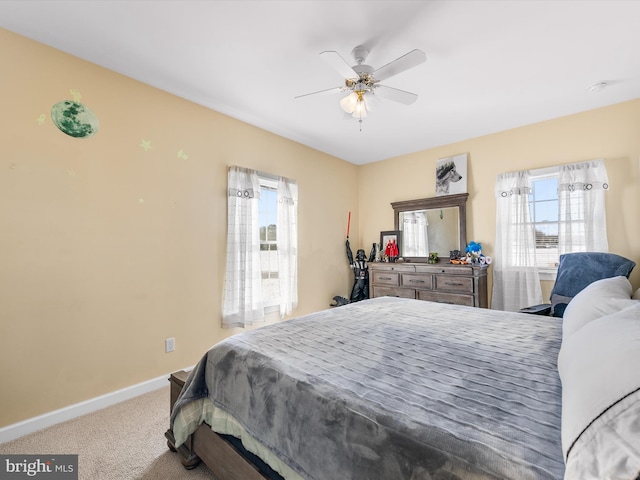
339 64
405 62
322 92
400 96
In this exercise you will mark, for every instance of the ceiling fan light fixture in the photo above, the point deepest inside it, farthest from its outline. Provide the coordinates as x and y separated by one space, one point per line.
349 102
355 104
360 111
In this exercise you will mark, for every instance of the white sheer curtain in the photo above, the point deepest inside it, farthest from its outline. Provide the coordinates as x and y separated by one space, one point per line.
287 240
516 283
583 222
414 234
242 304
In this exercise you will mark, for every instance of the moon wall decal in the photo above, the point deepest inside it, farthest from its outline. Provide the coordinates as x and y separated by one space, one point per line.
74 119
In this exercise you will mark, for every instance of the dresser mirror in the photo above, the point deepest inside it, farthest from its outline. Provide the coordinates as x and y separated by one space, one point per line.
428 225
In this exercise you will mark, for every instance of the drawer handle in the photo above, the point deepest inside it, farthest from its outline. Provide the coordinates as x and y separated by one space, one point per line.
454 284
385 278
416 281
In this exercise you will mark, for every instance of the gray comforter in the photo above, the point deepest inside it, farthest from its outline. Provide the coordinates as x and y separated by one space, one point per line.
396 389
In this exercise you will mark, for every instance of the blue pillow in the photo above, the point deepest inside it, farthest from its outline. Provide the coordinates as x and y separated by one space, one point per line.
577 270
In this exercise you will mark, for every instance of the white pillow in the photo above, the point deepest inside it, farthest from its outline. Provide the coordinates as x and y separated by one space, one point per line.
602 297
636 295
598 366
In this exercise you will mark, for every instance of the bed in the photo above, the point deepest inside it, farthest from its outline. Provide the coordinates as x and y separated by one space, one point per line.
384 388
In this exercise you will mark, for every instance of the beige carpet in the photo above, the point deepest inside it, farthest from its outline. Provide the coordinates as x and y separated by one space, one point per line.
121 442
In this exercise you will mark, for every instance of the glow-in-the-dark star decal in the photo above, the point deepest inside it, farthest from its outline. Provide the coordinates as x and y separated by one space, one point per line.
181 155
76 95
146 144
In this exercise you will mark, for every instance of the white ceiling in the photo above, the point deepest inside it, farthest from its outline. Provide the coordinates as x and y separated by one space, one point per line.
491 65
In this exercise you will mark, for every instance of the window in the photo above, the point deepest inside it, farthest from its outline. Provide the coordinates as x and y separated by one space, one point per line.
543 212
541 215
268 218
262 247
566 206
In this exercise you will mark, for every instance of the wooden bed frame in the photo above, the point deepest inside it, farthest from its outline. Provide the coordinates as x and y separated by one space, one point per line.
205 445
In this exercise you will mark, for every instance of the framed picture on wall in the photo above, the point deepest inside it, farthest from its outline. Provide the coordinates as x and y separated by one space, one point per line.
451 175
391 244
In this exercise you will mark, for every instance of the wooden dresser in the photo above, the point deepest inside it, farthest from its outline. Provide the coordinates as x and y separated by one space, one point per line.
441 282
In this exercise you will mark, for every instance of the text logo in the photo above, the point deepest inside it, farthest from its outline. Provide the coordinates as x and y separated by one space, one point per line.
49 467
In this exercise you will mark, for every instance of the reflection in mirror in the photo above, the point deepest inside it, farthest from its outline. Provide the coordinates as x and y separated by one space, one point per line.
428 231
415 233
431 225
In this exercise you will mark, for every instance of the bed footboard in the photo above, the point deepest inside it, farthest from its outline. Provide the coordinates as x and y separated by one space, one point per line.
189 458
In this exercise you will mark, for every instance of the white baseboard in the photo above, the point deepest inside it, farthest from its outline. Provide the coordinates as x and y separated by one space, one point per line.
17 430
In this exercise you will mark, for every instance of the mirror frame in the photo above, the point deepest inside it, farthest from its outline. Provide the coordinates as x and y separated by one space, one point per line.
444 201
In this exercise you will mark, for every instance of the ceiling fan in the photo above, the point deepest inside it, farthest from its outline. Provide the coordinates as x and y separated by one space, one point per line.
362 81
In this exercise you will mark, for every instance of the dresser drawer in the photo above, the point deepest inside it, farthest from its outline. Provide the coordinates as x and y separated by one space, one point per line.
416 280
393 292
453 283
446 269
441 297
386 278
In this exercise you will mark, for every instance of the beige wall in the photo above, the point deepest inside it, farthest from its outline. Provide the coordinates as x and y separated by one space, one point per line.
106 250
612 133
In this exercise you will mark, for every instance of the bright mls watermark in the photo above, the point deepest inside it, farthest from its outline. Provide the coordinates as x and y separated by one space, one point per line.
50 467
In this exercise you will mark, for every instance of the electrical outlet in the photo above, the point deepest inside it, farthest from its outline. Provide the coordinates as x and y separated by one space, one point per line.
169 345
